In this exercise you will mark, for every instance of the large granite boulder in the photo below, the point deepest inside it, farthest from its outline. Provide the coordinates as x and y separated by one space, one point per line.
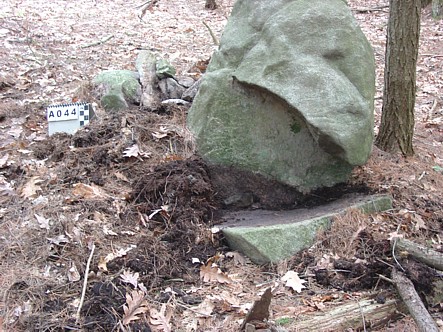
289 94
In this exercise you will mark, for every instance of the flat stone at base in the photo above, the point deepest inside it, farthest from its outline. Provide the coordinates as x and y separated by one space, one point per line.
270 236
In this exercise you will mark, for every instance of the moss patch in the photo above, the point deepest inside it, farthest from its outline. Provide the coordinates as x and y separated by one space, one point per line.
295 127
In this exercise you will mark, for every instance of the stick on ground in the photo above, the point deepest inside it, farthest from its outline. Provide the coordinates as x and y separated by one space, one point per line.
415 306
423 254
85 283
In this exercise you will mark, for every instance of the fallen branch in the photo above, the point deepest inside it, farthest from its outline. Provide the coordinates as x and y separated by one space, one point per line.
415 306
85 283
148 5
353 316
420 253
102 41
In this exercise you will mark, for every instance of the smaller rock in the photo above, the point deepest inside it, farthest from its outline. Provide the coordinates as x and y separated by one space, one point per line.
249 328
175 102
185 81
117 89
270 236
164 69
171 89
239 200
191 92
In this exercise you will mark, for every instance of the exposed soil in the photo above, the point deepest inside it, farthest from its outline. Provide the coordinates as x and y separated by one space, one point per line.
66 196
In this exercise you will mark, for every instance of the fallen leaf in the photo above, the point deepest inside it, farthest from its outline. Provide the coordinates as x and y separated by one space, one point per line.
130 278
42 221
230 298
161 319
88 191
31 188
24 151
102 264
134 151
211 273
121 176
419 222
58 240
73 274
205 308
109 231
5 188
215 230
159 135
394 235
4 160
293 281
111 256
135 306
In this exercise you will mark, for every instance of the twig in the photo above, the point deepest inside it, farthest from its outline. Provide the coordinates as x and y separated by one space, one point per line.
393 250
143 4
381 276
85 283
102 41
147 5
367 9
362 316
361 313
214 38
433 55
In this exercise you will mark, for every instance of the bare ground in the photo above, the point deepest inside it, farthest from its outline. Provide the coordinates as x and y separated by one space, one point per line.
65 197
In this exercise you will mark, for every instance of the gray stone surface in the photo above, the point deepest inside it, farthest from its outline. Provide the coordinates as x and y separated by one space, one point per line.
146 64
191 92
117 88
185 81
289 94
171 89
164 69
269 236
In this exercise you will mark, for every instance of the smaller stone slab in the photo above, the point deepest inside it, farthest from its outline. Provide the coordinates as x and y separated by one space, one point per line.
270 236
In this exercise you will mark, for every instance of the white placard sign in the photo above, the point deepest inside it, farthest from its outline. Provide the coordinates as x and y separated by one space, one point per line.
62 112
67 118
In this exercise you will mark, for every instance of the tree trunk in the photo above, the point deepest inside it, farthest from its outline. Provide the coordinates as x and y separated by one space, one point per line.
210 4
397 122
437 8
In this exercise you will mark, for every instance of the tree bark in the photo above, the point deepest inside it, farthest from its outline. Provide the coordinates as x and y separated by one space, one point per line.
356 316
145 64
210 4
397 122
422 254
437 8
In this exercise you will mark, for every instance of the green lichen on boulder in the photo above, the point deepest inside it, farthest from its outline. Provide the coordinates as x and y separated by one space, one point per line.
164 69
289 94
280 234
118 89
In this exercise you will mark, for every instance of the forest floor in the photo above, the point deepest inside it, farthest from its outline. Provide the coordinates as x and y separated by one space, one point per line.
145 226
